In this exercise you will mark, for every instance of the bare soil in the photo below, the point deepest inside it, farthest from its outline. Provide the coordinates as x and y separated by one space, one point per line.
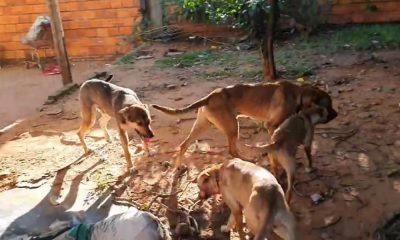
357 155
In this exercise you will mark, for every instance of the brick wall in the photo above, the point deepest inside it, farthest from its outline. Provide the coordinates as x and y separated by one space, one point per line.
93 28
364 11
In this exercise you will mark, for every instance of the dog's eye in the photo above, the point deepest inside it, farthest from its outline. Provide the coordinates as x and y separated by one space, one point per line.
206 180
139 123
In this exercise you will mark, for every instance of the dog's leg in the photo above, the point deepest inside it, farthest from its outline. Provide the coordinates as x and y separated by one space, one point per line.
229 225
88 115
286 219
307 149
124 142
309 167
200 125
236 217
289 164
225 120
274 164
103 121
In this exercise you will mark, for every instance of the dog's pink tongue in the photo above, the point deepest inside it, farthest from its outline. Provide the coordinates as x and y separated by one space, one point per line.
146 140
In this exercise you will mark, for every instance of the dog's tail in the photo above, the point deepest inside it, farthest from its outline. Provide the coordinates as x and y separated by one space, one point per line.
175 111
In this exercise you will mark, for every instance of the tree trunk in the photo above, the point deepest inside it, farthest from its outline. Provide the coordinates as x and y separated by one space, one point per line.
267 44
59 44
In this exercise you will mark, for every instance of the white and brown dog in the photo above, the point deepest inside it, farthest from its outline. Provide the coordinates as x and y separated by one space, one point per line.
251 191
113 101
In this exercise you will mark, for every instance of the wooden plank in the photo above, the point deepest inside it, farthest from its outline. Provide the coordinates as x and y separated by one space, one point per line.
59 44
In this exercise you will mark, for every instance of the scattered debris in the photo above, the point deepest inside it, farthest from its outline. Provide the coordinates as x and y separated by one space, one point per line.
162 34
173 52
145 57
328 222
394 173
67 89
317 198
170 86
53 111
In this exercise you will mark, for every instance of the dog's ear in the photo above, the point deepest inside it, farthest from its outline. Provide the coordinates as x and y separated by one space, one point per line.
308 95
123 114
109 77
123 111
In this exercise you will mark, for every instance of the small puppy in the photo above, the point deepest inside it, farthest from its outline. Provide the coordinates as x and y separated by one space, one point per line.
113 101
253 191
271 103
295 131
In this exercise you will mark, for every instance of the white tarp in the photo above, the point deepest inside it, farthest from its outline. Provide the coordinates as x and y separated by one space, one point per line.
39 34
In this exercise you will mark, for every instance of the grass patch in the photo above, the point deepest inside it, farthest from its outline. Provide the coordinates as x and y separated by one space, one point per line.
128 58
253 74
219 74
196 58
367 37
357 38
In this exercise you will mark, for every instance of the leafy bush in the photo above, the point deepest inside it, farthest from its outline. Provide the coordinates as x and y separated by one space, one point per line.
249 15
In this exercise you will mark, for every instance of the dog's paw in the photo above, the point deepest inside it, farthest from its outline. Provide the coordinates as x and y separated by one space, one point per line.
88 151
225 229
181 169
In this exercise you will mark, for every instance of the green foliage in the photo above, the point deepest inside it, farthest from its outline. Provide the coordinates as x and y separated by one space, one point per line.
367 37
249 15
194 58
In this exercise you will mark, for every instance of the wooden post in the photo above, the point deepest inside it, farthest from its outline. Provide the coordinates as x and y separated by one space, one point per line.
58 38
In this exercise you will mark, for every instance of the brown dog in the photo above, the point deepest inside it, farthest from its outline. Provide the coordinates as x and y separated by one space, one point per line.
271 103
113 101
295 131
250 190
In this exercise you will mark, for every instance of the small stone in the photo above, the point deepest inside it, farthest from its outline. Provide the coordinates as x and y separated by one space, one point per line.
170 86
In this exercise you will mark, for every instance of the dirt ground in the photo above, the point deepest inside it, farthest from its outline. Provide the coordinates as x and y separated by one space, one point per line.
357 155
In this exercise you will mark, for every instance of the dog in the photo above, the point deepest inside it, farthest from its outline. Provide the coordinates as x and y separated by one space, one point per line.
251 191
270 102
113 101
295 131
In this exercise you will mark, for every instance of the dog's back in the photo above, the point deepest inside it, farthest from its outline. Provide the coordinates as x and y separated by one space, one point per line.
291 133
102 94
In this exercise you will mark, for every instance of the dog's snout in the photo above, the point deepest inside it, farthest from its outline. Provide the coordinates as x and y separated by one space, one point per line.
150 134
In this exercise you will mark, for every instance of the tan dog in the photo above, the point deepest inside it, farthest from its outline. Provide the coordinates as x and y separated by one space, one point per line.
251 191
113 101
271 103
295 131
